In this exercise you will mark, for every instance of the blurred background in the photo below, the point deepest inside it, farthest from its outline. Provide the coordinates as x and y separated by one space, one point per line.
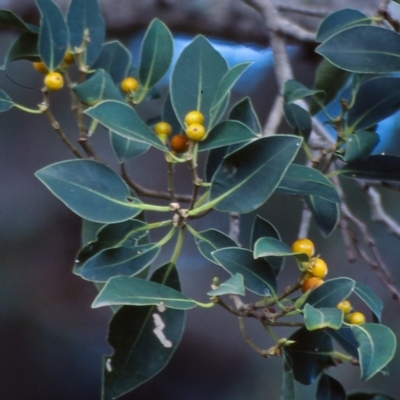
51 341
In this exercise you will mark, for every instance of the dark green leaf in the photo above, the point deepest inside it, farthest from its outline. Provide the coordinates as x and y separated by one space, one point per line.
24 47
381 168
115 59
331 292
363 49
309 355
169 116
261 227
119 261
376 99
10 20
298 119
90 189
126 149
53 34
340 20
288 386
345 337
377 345
98 87
325 212
374 303
211 240
123 120
193 83
5 101
301 180
269 246
294 90
360 145
144 340
226 84
225 134
125 234
319 318
155 54
243 111
234 285
257 274
256 168
330 389
330 80
85 15
126 290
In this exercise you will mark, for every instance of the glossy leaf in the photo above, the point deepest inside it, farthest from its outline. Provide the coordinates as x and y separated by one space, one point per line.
377 50
97 88
24 47
382 168
261 228
366 294
360 145
5 101
119 261
125 234
340 20
126 149
243 111
85 15
326 213
331 292
377 344
294 90
144 340
226 84
123 120
90 189
115 59
329 389
269 246
225 134
256 168
301 180
258 275
211 240
329 80
345 338
10 20
126 290
376 100
309 355
298 119
155 54
234 285
169 116
319 318
193 83
288 386
53 34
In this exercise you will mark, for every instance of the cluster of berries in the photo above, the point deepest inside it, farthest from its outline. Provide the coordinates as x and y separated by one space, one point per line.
315 269
179 143
53 81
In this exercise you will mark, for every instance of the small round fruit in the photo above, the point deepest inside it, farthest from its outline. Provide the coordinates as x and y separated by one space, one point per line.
355 318
54 81
319 269
179 143
345 306
69 58
311 283
163 128
303 246
195 132
40 66
194 117
129 84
